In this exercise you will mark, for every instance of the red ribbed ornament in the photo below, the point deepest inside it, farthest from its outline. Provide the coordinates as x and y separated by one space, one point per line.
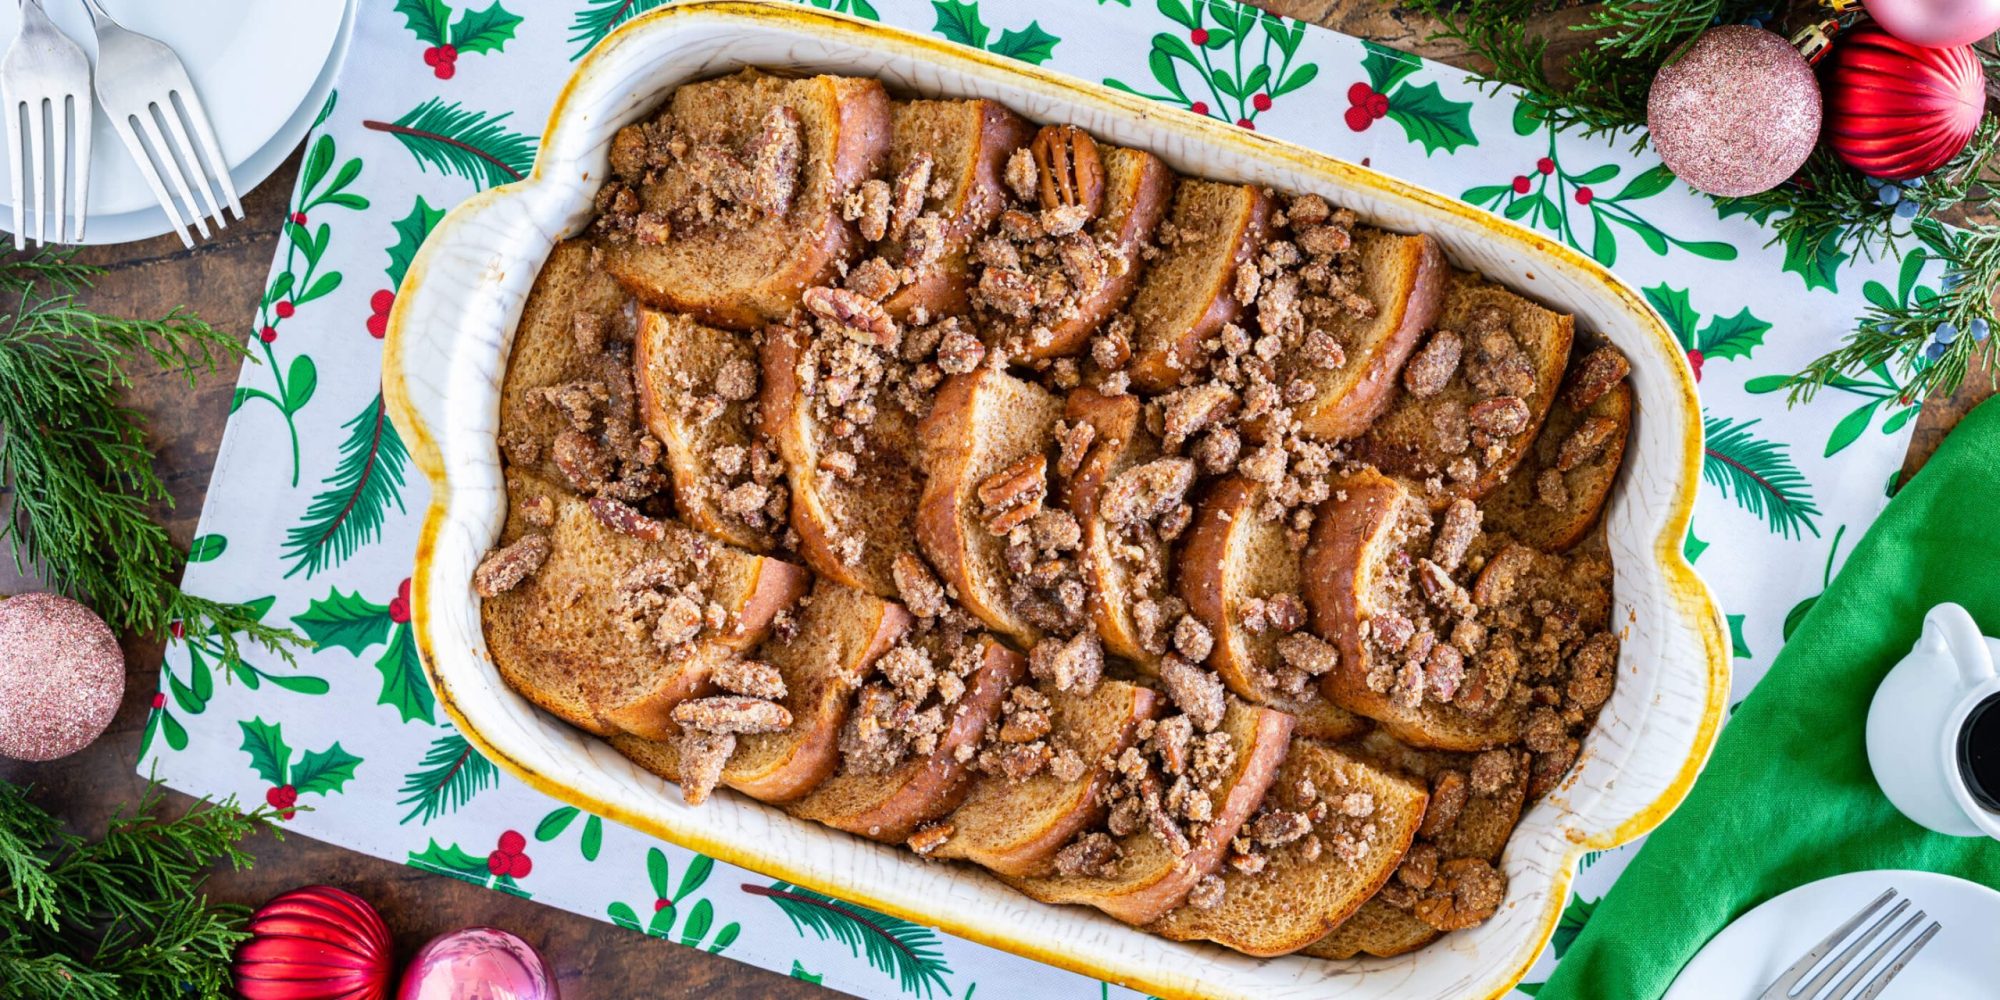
1896 110
315 943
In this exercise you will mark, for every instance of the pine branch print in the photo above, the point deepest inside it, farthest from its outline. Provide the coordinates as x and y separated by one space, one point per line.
450 774
1759 475
897 947
349 512
463 143
598 18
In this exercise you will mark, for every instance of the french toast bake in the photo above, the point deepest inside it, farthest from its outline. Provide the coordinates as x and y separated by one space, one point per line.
1184 549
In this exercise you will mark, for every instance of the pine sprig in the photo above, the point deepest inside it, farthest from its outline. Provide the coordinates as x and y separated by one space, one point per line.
350 511
122 917
450 774
77 466
1759 475
464 143
906 950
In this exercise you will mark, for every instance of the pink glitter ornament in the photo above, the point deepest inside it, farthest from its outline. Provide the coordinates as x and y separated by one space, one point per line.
60 680
1936 24
1737 113
478 963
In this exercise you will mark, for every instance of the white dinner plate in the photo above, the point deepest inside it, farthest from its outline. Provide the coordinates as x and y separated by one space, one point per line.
1961 961
261 68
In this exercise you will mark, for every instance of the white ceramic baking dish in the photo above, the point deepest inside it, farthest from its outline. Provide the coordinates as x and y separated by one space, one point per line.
447 349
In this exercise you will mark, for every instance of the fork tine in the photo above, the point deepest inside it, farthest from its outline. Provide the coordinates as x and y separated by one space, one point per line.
1840 961
211 150
1782 987
123 126
1901 962
80 105
17 169
59 160
196 170
1853 979
38 182
150 127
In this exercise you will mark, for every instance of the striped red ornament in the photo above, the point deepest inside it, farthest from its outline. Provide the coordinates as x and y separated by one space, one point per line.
1896 110
315 943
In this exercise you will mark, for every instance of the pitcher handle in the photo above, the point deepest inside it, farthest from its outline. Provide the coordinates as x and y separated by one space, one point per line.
1949 628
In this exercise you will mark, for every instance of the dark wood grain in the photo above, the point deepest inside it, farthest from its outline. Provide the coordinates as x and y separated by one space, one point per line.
223 280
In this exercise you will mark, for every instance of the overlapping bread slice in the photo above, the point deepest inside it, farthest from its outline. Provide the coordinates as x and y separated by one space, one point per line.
890 806
1138 187
1552 500
966 144
1306 889
742 269
851 526
1016 827
1189 291
1121 569
1148 880
565 639
982 424
570 292
697 391
1375 928
1369 543
1404 277
1436 439
839 634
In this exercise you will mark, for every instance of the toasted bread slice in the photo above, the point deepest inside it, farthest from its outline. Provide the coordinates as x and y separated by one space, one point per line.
1303 893
1232 556
1016 827
1149 880
1189 290
889 807
742 270
568 290
1404 276
1137 190
968 143
1320 719
851 527
1376 928
980 423
1465 461
1358 573
1121 571
687 374
1526 506
557 637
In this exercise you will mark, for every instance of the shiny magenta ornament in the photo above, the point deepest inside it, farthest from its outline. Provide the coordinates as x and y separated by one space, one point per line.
1936 24
315 943
1896 110
478 963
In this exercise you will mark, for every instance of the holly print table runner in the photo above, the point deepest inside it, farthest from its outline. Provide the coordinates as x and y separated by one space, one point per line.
314 509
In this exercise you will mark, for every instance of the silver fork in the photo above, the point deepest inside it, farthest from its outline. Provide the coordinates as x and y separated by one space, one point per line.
44 73
1787 986
144 87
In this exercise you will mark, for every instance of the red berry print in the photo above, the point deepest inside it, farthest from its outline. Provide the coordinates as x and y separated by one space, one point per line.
1520 185
1359 119
1694 362
518 865
378 325
1378 106
1199 36
1359 94
283 798
513 843
1199 107
431 56
499 862
1246 123
399 612
445 71
299 218
1583 196
159 699
1261 102
382 301
285 309
268 334
661 904
1546 166
179 629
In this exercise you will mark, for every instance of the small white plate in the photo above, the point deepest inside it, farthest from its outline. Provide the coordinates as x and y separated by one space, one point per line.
1960 961
262 70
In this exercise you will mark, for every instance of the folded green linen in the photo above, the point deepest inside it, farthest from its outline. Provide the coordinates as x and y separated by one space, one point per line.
1788 797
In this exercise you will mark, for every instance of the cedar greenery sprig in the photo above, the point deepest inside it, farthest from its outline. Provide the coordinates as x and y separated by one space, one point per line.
122 917
75 464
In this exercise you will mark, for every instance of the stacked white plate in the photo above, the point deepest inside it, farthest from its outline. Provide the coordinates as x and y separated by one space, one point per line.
263 69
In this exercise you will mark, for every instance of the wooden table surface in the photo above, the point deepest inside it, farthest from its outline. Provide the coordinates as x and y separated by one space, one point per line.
223 280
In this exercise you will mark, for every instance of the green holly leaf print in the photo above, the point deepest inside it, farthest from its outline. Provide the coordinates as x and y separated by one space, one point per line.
1817 262
1531 989
959 22
486 30
1673 306
558 820
426 19
411 231
452 861
1575 916
269 756
799 971
1732 336
346 620
1850 427
207 548
1645 185
1030 45
351 510
1693 547
1737 646
1387 67
463 143
1430 118
325 771
403 683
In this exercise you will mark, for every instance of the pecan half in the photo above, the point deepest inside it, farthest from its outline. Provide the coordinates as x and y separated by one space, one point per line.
622 518
857 315
1014 494
1069 170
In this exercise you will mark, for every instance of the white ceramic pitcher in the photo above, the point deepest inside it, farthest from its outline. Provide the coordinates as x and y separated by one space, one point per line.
1915 721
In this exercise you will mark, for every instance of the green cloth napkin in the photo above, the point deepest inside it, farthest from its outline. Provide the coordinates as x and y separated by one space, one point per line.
1788 797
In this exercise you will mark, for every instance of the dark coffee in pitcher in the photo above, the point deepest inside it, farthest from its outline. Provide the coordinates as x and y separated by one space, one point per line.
1979 752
